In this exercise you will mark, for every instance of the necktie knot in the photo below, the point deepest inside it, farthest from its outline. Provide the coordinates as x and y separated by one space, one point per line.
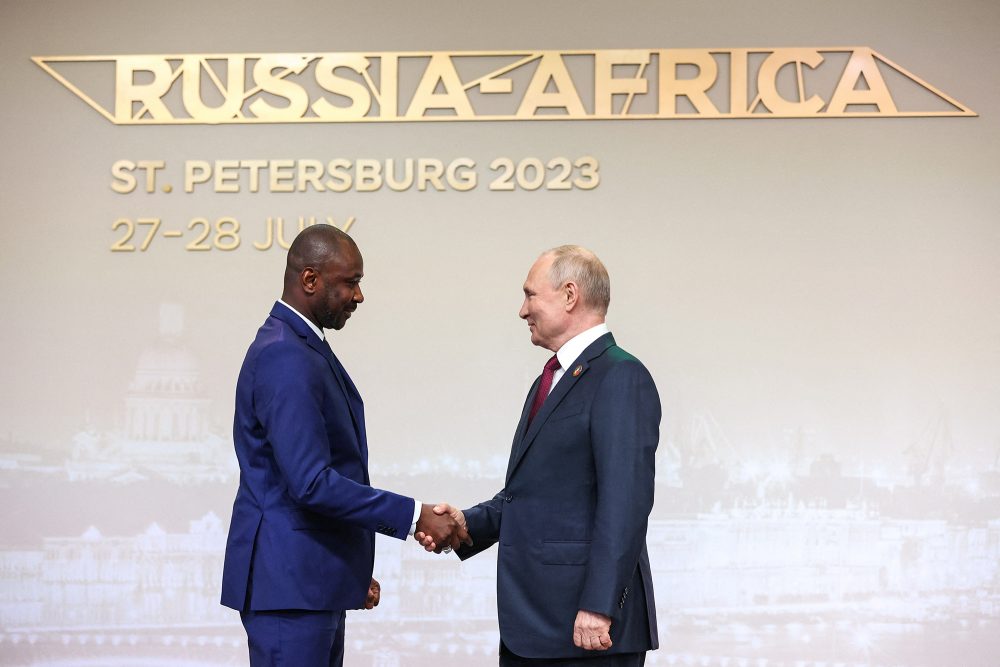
552 365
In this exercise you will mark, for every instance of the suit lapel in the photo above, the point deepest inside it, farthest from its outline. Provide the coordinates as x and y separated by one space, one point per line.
526 434
522 425
354 403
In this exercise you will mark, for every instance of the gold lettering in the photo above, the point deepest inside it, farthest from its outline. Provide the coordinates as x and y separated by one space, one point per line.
151 167
694 89
364 87
128 93
280 227
387 94
282 176
255 166
326 77
440 71
310 173
429 170
125 181
298 99
738 82
461 174
340 175
492 85
369 175
390 175
551 68
227 175
767 82
195 173
232 92
861 65
347 223
606 85
268 236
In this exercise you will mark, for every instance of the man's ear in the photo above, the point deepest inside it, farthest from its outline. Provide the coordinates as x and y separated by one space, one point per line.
309 278
571 293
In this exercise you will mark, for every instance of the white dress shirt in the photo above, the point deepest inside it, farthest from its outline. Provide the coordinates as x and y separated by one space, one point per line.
573 348
316 329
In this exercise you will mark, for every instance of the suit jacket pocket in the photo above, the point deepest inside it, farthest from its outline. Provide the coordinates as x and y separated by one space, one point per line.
565 552
567 411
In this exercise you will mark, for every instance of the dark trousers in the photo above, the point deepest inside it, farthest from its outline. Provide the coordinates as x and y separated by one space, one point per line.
295 638
597 659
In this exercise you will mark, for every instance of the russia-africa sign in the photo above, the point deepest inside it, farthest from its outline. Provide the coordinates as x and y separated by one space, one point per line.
439 86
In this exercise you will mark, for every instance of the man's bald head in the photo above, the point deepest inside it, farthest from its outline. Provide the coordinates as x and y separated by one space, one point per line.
314 247
322 275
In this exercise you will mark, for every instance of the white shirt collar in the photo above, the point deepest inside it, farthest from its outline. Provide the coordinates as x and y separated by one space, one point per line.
316 329
575 346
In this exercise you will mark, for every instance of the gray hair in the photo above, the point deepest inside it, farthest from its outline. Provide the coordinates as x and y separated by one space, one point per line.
573 263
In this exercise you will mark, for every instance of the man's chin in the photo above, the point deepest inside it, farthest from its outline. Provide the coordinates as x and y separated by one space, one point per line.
341 321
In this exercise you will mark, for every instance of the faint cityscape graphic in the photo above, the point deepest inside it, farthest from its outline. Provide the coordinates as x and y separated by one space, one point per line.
760 558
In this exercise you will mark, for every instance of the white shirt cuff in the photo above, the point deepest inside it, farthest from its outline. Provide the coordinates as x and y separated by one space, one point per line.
416 515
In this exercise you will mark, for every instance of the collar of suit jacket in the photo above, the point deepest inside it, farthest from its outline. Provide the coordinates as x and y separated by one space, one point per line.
315 329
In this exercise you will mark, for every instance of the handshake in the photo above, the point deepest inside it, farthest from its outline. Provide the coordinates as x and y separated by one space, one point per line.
441 528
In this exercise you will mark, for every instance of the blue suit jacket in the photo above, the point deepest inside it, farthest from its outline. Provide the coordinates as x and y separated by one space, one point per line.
571 519
303 529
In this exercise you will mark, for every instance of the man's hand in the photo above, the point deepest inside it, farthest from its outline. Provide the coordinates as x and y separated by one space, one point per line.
441 528
592 631
443 508
374 593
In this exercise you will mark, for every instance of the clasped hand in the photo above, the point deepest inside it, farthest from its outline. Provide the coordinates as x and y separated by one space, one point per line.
441 528
592 631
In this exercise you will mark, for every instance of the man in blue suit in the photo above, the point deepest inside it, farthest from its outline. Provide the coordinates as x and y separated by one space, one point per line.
573 576
301 545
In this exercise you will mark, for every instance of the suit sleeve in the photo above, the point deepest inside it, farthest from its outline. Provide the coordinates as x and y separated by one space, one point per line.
483 523
625 422
288 397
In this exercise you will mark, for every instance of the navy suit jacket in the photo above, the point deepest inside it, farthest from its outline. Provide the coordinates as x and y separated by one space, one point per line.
303 529
571 519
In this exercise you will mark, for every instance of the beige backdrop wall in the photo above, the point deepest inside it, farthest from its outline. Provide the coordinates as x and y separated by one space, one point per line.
816 299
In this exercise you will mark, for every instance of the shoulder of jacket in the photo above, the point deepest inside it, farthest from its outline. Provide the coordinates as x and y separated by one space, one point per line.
616 355
281 343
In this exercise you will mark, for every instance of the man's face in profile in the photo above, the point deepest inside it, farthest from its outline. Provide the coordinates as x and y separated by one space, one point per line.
544 306
340 288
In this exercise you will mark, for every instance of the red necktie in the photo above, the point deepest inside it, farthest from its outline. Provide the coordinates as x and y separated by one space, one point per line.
544 386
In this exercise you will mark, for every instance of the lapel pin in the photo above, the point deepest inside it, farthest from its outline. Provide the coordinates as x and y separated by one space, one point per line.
577 371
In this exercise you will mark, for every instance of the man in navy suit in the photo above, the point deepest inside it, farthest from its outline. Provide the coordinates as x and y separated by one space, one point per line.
573 576
301 545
